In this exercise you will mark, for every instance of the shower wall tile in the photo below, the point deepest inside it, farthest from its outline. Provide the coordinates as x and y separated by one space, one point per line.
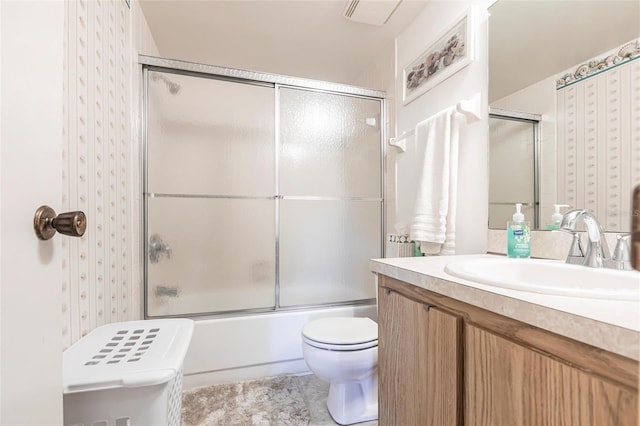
100 281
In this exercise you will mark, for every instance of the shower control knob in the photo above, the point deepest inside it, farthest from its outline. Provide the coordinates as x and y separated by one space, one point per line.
46 223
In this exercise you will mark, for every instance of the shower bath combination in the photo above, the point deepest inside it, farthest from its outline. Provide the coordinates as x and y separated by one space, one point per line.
262 207
268 189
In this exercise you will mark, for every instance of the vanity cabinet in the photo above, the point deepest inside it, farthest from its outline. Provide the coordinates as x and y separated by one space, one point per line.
510 384
445 362
416 392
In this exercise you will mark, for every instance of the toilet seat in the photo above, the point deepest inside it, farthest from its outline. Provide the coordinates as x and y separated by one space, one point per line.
330 347
341 333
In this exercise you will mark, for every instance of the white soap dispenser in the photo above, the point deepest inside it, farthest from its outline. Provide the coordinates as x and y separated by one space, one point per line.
556 217
518 235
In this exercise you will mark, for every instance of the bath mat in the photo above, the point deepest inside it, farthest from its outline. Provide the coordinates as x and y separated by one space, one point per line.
275 401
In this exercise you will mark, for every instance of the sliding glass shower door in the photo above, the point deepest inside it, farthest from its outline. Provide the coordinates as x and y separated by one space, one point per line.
258 196
210 204
331 197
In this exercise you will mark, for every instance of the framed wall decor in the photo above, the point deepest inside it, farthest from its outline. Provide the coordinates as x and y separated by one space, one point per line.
452 51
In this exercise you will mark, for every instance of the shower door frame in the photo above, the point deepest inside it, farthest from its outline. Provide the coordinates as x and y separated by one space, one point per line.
534 120
276 81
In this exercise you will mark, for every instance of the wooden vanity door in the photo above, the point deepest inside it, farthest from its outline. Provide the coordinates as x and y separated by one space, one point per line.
420 363
510 384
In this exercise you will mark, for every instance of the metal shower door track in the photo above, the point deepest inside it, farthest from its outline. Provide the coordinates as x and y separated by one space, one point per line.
236 74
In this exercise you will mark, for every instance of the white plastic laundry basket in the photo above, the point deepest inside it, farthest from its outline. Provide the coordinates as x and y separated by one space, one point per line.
127 373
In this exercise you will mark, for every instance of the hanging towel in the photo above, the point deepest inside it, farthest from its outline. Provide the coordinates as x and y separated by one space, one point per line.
433 224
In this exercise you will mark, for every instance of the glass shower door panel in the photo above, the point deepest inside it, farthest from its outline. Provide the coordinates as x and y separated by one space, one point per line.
512 171
209 136
325 247
329 145
209 255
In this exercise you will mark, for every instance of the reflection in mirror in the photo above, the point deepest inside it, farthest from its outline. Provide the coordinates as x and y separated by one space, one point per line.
589 137
513 143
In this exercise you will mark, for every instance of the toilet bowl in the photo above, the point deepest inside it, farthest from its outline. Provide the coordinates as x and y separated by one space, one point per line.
344 352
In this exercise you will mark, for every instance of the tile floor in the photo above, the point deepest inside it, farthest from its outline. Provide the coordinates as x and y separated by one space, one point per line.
315 393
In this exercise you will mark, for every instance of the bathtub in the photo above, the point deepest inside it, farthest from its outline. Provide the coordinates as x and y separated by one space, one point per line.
253 346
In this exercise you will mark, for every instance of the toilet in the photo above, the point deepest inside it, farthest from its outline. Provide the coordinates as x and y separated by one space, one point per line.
344 352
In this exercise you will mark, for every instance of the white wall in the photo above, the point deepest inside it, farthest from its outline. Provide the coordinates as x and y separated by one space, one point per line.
144 43
471 223
31 138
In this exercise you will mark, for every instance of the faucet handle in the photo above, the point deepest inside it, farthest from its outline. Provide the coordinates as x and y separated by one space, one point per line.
576 251
157 248
623 248
621 258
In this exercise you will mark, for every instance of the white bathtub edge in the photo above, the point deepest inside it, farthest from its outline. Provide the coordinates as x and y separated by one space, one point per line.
292 367
249 347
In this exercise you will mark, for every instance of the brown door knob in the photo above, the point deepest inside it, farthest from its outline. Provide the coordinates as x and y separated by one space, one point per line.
46 223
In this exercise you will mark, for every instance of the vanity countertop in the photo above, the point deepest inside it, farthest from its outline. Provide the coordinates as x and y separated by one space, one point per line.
607 324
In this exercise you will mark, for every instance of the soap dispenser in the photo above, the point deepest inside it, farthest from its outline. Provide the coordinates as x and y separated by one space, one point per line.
556 217
518 235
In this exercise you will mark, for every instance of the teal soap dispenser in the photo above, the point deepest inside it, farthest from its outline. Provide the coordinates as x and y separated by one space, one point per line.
556 217
518 235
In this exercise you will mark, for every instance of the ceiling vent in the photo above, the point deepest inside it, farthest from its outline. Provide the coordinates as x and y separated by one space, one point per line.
372 12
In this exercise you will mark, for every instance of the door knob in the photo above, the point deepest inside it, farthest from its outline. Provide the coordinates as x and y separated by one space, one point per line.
46 223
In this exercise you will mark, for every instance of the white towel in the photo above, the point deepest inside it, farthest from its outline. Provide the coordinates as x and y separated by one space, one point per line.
433 224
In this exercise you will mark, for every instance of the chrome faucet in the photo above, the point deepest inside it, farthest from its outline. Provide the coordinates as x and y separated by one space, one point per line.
597 251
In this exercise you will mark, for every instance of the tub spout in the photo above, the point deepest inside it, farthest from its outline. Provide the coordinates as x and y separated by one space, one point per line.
162 290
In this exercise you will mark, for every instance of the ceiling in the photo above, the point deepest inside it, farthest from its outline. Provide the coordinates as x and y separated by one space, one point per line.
533 40
528 40
303 38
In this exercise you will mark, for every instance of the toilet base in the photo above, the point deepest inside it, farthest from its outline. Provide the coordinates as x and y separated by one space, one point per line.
354 402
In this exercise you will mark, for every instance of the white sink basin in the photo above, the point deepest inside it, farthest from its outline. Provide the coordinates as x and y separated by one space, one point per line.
552 277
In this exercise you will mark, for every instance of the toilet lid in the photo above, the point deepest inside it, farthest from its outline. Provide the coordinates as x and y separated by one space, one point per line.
341 331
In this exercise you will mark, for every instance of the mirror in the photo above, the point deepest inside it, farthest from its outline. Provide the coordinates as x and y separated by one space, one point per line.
531 45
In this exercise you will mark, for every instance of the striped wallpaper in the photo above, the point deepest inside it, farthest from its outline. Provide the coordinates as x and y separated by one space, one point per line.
101 281
599 144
